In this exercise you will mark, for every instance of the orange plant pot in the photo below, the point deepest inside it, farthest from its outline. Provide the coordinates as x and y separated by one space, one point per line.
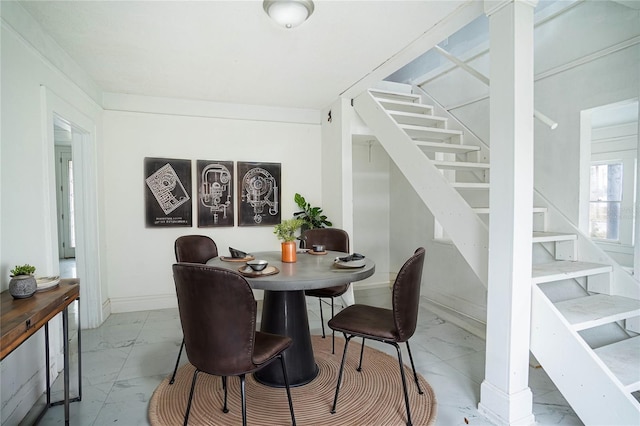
289 251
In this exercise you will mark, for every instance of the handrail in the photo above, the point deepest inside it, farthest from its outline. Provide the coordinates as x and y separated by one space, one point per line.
463 65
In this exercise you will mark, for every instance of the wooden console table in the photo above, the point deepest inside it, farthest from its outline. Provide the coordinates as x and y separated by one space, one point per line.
21 318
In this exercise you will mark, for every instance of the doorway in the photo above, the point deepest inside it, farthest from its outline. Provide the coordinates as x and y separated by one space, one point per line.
65 200
58 113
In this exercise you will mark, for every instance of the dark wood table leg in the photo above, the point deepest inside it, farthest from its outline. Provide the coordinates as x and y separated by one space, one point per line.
285 313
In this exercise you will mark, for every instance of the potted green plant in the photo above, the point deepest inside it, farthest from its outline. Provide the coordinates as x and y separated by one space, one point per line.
312 217
23 284
286 232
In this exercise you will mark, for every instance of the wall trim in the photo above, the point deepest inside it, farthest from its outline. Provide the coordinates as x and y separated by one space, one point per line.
86 202
588 58
206 109
142 303
462 320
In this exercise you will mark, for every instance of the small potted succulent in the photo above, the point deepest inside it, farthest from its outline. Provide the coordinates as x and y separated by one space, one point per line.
286 232
23 284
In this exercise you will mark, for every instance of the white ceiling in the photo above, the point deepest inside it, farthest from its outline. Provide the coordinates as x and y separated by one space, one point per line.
230 51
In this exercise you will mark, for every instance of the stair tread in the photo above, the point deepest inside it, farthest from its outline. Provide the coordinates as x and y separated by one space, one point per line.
598 309
446 147
487 210
543 237
470 185
622 359
387 94
393 105
565 269
460 165
426 129
412 118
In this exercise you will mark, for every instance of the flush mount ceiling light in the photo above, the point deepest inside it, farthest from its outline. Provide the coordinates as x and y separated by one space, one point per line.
288 13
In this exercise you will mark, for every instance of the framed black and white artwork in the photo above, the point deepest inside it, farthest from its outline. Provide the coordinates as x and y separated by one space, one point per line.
167 189
258 193
215 193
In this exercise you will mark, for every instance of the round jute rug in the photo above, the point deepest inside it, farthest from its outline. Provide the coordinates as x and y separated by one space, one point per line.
371 397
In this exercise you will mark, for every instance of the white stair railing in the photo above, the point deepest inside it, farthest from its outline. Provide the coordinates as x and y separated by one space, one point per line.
483 78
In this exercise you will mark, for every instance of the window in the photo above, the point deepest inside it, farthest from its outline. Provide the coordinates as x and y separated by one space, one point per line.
605 201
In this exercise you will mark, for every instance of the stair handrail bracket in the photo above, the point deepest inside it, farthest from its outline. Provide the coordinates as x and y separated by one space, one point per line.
465 228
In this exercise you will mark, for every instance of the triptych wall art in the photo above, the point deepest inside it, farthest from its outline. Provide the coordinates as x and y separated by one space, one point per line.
253 195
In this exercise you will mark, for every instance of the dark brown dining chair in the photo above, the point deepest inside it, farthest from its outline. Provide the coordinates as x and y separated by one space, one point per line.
192 249
218 316
332 239
390 326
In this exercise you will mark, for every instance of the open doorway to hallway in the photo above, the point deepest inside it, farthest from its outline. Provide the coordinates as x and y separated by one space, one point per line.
65 211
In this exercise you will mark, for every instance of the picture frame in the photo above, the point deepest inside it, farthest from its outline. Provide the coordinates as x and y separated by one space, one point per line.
215 195
258 192
167 192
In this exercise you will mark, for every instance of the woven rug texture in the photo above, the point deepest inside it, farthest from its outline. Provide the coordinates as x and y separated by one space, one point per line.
373 396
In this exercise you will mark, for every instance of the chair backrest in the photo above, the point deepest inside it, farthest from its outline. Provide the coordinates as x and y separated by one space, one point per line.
332 238
406 295
195 249
218 316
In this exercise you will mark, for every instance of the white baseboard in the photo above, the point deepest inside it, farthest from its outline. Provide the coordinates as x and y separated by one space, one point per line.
118 305
368 286
472 325
142 303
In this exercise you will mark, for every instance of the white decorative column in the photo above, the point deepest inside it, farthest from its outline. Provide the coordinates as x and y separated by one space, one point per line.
505 396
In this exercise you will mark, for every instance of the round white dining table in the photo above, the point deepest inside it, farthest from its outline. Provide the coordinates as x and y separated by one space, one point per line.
284 308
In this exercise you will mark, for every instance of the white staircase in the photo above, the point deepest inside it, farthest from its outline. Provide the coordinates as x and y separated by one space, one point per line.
579 309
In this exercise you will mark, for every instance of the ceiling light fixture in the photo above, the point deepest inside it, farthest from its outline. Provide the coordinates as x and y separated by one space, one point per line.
288 13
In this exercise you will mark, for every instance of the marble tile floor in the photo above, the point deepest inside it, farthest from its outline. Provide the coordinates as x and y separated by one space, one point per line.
125 359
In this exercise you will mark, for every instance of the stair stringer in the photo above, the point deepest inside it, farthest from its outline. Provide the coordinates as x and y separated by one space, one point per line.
462 224
585 374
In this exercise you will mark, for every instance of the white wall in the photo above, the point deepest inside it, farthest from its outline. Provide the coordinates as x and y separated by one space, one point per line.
448 282
26 231
139 259
371 210
562 93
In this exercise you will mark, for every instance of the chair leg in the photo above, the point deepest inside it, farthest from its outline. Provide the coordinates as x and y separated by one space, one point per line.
286 383
333 332
415 375
193 387
244 400
361 353
321 317
224 386
344 356
175 370
404 382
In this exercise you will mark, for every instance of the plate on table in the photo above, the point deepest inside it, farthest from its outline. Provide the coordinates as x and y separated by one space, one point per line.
248 272
47 283
237 259
352 264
